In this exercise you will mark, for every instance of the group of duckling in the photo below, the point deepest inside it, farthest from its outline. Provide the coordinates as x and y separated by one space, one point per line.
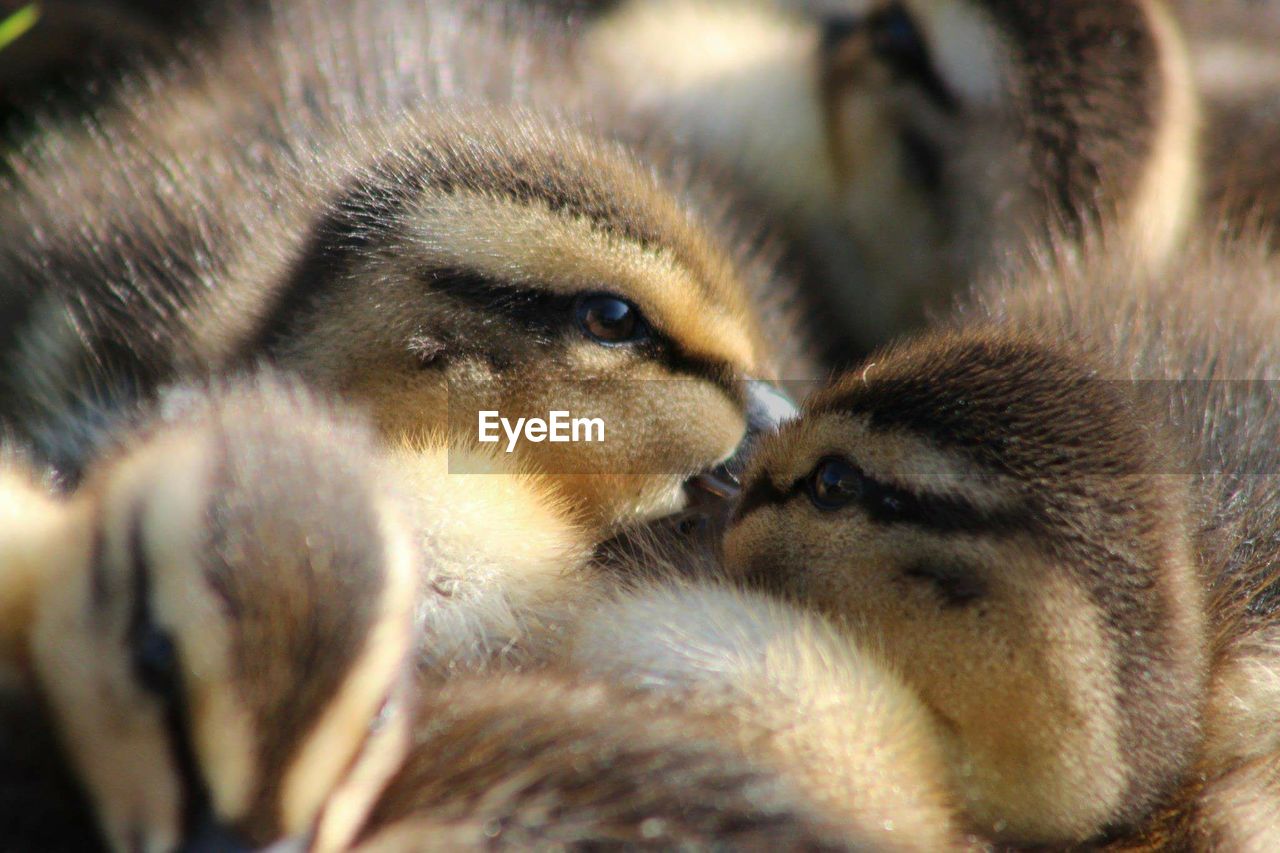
1007 578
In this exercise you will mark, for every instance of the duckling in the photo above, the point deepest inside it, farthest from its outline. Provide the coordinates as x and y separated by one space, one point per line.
414 236
548 759
909 145
1027 507
506 567
786 687
223 622
999 519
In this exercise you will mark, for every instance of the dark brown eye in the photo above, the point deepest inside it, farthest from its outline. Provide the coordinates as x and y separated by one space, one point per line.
895 37
897 41
155 661
835 483
610 320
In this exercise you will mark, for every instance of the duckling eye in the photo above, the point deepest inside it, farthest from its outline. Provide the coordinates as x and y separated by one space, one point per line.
610 320
834 484
897 41
895 37
155 661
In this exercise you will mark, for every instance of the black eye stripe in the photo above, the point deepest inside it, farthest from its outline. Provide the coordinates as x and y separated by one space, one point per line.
887 504
762 492
537 310
549 315
196 801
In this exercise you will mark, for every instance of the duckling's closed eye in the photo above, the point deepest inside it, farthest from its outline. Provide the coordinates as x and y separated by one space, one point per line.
610 320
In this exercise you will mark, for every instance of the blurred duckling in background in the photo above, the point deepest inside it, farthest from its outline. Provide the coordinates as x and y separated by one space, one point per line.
910 145
1236 69
222 626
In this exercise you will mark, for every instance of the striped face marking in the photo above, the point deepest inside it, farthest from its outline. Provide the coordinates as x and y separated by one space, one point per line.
218 662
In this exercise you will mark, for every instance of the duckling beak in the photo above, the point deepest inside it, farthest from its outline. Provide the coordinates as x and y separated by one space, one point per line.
711 495
768 408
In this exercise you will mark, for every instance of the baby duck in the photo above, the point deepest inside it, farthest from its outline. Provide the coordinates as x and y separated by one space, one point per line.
1005 525
909 144
547 759
410 235
223 622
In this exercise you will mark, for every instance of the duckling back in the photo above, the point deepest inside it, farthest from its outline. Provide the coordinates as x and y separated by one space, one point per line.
788 689
542 759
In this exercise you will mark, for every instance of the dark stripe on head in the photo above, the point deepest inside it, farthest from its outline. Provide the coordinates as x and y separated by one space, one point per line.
922 160
956 583
762 493
158 668
897 41
887 504
369 212
548 316
893 37
99 588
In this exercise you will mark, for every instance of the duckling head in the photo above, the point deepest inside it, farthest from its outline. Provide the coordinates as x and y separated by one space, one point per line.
512 265
1015 535
905 141
222 645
